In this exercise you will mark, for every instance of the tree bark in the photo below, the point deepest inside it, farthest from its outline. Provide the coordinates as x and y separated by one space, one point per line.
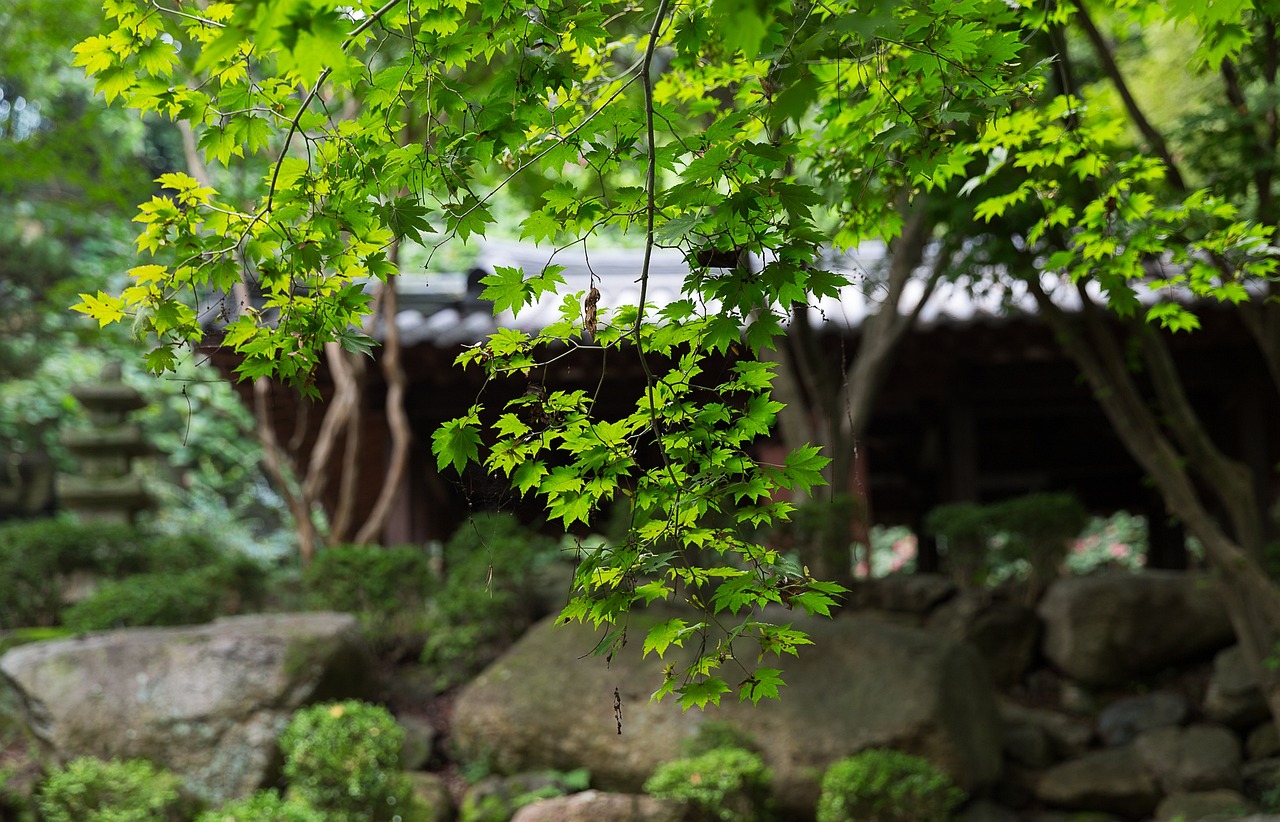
397 420
833 411
1251 600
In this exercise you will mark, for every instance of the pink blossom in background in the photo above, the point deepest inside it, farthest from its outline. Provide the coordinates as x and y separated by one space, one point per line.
904 549
1119 550
1078 547
860 570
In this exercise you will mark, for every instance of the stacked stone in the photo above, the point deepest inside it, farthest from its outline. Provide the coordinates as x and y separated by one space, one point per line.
106 488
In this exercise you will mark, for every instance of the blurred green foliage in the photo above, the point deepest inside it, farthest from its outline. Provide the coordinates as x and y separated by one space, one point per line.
93 790
264 806
723 783
386 588
488 597
38 560
883 785
343 759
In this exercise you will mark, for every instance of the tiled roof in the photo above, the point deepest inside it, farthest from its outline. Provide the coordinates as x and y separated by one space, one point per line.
440 309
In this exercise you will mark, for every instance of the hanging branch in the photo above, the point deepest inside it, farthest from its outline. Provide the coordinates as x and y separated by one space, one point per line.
1112 70
651 210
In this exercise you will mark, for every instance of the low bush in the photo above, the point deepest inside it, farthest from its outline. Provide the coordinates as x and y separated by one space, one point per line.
93 790
264 806
486 601
386 588
964 532
185 598
1039 530
496 798
37 556
367 578
886 786
343 759
724 783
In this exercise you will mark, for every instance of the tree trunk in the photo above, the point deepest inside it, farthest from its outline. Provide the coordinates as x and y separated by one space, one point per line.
834 410
397 419
1251 600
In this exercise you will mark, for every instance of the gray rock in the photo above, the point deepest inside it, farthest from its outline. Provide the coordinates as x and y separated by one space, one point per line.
1077 699
1109 628
1111 781
207 702
419 742
1204 806
1233 697
984 810
1122 721
596 806
1262 781
864 684
431 799
499 797
1068 736
1004 632
903 593
1028 744
1198 758
1263 742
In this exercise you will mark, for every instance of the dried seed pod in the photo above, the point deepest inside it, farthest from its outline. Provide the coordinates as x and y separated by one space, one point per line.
589 323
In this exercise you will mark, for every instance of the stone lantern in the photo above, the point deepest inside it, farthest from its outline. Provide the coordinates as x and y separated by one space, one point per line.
105 487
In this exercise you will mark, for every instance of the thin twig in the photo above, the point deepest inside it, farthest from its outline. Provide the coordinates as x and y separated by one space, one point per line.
315 90
651 209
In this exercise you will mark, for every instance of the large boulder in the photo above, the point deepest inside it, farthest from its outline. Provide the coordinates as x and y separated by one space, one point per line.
1199 758
595 806
207 702
1233 697
1004 632
1115 780
865 683
1109 628
1203 806
1122 721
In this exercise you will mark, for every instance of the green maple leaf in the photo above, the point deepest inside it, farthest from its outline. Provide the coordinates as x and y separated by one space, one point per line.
763 683
700 694
665 634
457 442
505 289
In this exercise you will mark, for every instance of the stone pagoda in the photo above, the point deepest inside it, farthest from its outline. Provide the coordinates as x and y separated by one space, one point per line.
105 488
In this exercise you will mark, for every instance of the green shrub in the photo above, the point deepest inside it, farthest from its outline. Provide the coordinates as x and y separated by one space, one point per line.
886 786
186 598
264 806
486 601
965 531
724 783
344 760
386 588
91 790
368 578
496 798
183 552
713 734
36 556
1039 529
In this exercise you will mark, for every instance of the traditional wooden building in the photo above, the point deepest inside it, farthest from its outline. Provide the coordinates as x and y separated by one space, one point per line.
981 403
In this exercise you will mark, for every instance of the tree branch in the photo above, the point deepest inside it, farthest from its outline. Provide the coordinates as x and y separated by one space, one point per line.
1232 483
397 420
1112 70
